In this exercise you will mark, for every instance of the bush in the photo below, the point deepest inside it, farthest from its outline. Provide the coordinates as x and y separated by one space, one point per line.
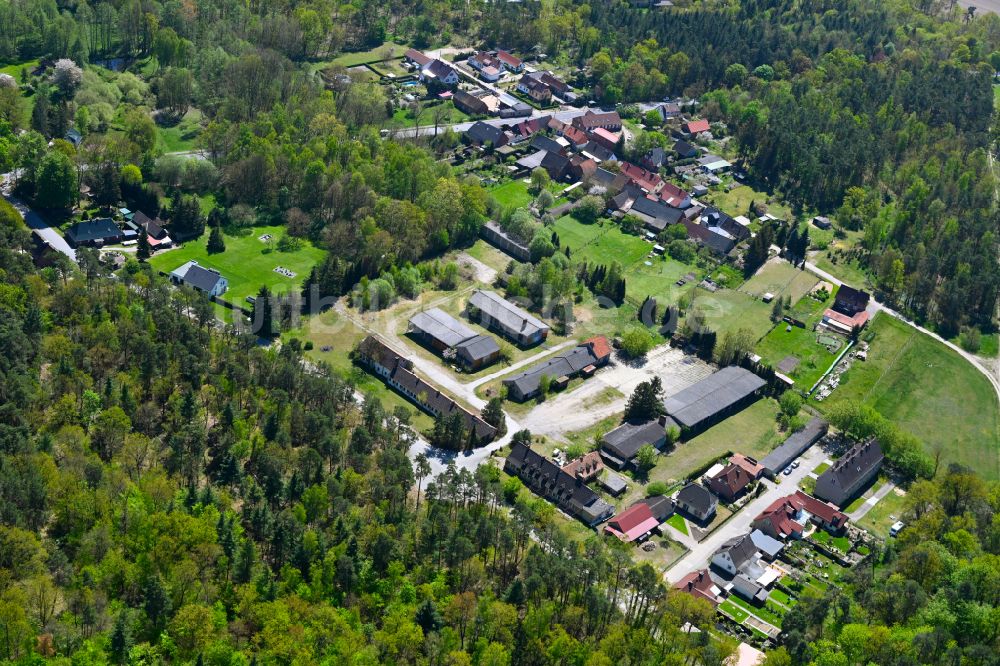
657 488
636 342
971 339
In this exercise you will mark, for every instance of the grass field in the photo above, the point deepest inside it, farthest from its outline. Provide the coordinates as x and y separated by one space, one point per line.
727 310
14 69
850 272
657 280
762 613
881 517
737 202
930 391
383 52
246 263
752 432
600 243
406 117
512 194
781 279
734 611
814 358
182 136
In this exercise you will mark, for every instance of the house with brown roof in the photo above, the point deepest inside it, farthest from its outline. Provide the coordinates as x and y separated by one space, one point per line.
581 167
699 584
730 482
604 138
470 104
418 58
650 181
674 196
695 127
591 120
633 525
510 62
586 467
544 478
397 371
749 465
788 516
535 89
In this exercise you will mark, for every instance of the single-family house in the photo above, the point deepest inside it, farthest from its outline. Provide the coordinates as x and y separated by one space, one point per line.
483 134
439 72
684 149
155 233
655 214
500 315
206 280
94 233
545 478
697 502
484 59
557 165
699 584
649 181
730 482
675 196
612 182
735 554
547 143
510 62
655 159
535 89
417 58
787 517
850 301
634 524
581 167
843 480
605 138
695 127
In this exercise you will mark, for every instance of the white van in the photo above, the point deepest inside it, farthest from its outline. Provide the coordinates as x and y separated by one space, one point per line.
896 528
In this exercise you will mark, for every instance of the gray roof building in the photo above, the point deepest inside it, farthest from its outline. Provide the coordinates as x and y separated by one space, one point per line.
768 546
620 446
735 553
440 328
850 473
203 279
477 351
505 317
547 479
661 506
714 398
696 501
481 133
656 215
794 446
93 232
542 142
527 384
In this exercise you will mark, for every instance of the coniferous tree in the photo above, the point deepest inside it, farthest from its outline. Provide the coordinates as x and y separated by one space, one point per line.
216 243
143 248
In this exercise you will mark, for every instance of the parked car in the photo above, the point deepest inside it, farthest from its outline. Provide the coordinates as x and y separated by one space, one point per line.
788 471
795 464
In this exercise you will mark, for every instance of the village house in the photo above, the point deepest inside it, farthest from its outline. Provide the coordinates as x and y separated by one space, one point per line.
397 371
470 104
417 58
592 120
485 134
582 360
206 280
695 500
94 233
500 315
649 181
730 483
535 89
788 516
695 127
586 467
848 312
510 62
633 525
440 73
843 480
699 584
545 478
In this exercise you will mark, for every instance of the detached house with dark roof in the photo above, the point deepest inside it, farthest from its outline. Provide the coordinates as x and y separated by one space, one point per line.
482 134
591 120
206 280
695 500
439 72
544 478
98 232
470 104
841 482
735 554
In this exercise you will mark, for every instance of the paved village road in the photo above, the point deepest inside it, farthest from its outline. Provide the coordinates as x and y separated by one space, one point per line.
38 224
739 524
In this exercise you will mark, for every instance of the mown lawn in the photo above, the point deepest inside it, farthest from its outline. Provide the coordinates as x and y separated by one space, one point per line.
781 279
928 390
881 517
383 52
247 262
657 280
184 135
733 611
512 194
14 69
677 522
814 358
762 613
727 310
601 243
406 118
737 202
752 432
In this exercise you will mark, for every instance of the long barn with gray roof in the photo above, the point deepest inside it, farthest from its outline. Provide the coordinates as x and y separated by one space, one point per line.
713 399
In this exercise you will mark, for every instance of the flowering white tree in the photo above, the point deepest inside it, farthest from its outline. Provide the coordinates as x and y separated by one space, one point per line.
67 76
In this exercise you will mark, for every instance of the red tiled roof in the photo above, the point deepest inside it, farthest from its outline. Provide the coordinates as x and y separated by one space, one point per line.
733 478
589 465
600 346
782 511
607 135
749 465
673 195
508 59
696 126
417 56
647 180
698 584
859 319
632 523
575 136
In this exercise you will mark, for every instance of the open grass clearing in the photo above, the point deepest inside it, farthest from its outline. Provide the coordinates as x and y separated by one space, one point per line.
184 135
762 613
385 51
726 311
737 202
601 242
248 263
752 432
780 278
657 280
928 390
449 115
14 69
813 358
733 611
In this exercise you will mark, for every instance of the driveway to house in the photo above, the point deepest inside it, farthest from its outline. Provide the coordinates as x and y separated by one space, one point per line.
37 223
739 524
870 503
875 306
